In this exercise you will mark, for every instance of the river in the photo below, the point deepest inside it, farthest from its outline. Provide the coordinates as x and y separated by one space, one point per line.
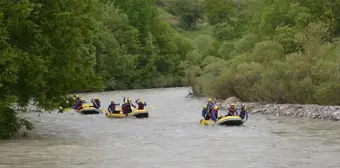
171 137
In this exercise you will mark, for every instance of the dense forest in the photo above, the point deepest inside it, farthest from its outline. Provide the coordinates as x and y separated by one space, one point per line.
265 50
52 48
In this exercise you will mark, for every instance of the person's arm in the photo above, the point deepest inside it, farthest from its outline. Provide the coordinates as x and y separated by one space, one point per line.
246 115
236 113
203 113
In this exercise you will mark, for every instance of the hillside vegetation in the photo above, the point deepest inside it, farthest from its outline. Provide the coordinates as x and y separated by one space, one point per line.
266 50
51 48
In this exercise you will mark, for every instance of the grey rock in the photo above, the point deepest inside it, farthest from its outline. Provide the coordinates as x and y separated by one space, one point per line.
307 110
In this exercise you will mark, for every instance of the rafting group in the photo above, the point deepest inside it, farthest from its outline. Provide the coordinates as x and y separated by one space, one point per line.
113 111
211 116
210 111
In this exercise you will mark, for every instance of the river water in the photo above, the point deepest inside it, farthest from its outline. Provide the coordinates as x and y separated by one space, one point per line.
171 137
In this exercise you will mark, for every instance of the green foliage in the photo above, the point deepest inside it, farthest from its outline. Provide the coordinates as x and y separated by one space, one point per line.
225 32
10 123
188 11
265 50
52 48
272 50
219 11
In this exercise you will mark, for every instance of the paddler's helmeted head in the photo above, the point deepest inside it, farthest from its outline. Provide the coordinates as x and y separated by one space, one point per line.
215 107
205 107
232 105
82 99
112 102
209 100
140 101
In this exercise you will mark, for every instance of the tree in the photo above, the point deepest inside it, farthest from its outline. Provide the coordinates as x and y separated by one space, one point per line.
189 12
219 11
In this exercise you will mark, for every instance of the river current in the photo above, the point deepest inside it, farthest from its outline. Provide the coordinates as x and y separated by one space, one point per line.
170 137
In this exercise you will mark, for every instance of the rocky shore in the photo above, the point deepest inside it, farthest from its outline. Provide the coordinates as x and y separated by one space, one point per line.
298 110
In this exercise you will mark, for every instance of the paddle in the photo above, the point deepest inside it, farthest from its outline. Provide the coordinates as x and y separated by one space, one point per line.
94 103
202 122
100 109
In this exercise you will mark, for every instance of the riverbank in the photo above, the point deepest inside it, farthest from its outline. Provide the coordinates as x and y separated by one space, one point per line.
295 110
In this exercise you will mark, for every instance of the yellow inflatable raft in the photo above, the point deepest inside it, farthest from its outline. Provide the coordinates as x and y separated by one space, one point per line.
87 109
135 113
228 120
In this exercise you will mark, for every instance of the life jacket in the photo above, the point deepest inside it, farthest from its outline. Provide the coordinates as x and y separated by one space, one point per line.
96 103
213 111
232 110
79 105
243 112
112 107
126 108
141 106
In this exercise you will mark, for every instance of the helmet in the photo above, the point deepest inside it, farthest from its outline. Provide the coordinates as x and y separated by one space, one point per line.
215 107
205 106
245 108
209 100
125 102
82 99
140 101
77 96
96 98
232 105
112 102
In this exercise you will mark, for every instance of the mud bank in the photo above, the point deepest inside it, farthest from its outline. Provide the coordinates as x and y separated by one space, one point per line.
297 110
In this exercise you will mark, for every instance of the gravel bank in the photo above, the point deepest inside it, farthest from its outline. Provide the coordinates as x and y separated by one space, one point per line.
297 110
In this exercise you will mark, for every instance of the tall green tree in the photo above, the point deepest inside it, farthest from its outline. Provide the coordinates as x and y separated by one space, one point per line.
219 11
188 11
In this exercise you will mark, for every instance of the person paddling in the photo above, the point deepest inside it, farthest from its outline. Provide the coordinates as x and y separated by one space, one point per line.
205 113
140 104
96 103
214 113
244 112
112 108
126 108
210 104
232 111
